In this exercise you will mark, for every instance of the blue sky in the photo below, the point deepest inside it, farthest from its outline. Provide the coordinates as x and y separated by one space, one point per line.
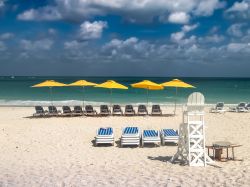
125 38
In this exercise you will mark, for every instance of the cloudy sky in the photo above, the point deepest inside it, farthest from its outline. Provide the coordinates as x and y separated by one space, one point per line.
125 37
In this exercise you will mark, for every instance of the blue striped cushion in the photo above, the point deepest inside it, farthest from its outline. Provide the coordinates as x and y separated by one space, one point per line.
169 132
105 131
150 133
131 130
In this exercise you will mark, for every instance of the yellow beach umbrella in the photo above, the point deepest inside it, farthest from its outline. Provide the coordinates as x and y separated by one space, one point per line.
177 84
82 83
111 84
148 85
50 84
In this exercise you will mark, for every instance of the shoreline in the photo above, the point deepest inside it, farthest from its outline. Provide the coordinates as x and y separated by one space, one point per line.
71 103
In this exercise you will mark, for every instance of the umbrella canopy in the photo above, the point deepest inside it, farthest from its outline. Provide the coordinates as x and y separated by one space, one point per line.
177 84
111 84
82 83
50 84
149 85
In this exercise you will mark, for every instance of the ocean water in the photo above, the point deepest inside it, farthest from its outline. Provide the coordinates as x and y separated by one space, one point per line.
18 91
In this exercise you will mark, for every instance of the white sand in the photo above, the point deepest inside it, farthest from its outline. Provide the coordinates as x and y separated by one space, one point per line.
59 152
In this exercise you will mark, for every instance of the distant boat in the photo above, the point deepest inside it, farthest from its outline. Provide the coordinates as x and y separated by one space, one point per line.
12 77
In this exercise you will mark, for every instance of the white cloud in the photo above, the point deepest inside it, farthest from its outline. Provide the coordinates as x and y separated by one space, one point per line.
239 10
126 49
74 45
71 45
235 30
92 30
238 47
215 38
52 31
6 36
179 18
207 7
239 6
187 28
44 44
1 3
178 37
48 13
116 43
2 46
133 10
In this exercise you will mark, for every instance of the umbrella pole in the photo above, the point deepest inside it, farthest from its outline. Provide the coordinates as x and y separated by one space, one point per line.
111 99
175 100
147 96
83 97
50 91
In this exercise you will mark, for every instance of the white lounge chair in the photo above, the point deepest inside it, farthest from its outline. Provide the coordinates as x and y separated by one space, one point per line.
219 108
130 136
241 107
104 135
151 136
169 135
248 107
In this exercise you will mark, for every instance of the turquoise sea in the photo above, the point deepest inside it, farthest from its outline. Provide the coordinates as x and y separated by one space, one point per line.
18 91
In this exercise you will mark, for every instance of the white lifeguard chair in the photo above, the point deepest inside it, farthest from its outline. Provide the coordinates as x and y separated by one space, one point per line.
191 145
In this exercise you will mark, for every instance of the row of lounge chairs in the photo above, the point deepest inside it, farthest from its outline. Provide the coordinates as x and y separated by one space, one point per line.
90 111
241 107
133 136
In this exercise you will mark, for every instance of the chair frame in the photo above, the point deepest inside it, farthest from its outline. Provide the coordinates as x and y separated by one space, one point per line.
142 110
156 110
151 139
130 139
129 110
104 139
89 111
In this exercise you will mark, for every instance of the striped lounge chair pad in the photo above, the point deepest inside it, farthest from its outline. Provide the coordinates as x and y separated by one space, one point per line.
131 130
150 133
169 132
105 131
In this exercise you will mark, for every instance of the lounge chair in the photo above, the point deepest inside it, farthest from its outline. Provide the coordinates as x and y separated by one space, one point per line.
219 108
89 111
77 111
39 111
129 110
151 136
241 107
104 110
248 107
156 110
66 111
142 110
53 111
169 135
130 136
104 135
117 110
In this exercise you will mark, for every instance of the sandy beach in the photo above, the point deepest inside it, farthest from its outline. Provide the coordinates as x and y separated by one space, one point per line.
60 152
